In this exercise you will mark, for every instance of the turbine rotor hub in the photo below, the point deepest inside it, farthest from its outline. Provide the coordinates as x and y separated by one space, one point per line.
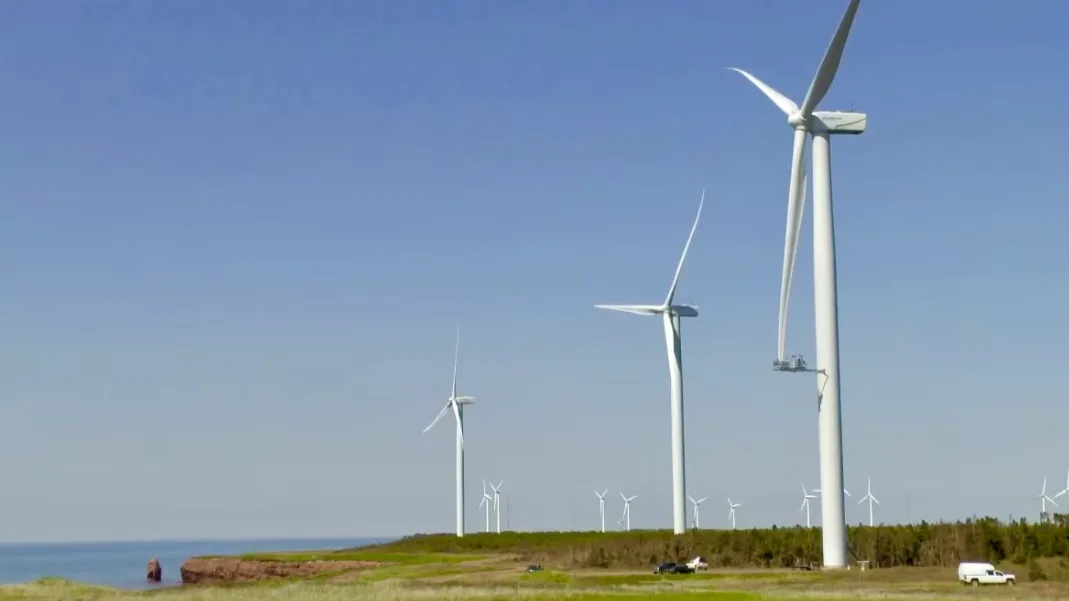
797 121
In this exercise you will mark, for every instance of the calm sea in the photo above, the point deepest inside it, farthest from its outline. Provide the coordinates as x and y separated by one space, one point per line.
123 564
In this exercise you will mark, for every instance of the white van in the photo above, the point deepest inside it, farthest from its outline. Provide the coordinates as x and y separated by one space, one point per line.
983 573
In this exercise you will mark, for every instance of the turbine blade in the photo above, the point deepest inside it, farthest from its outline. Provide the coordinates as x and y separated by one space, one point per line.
460 427
691 499
498 487
484 487
623 497
1052 502
785 104
456 358
683 257
804 501
1062 493
636 309
876 501
795 212
862 500
701 500
830 63
437 419
847 493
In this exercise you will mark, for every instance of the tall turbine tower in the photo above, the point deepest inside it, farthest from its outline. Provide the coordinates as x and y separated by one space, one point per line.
820 125
696 504
601 506
456 403
871 499
671 314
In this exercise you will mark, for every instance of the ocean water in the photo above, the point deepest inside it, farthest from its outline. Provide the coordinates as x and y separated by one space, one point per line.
122 564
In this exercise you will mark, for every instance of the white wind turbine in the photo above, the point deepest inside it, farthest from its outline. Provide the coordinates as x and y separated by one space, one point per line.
871 499
805 505
1064 491
497 503
806 121
671 314
696 504
627 511
601 506
485 503
457 403
731 513
1043 498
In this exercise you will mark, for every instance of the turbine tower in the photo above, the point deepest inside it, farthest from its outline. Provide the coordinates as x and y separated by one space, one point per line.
806 121
696 504
670 314
497 503
1043 499
627 511
805 505
485 503
871 499
731 514
457 403
601 506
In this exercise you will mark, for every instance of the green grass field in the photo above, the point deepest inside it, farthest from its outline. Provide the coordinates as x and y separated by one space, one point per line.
745 566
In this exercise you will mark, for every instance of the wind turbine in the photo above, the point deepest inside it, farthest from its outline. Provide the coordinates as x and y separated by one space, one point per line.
485 502
696 504
871 499
731 514
457 403
806 121
670 314
497 503
1064 491
627 510
1043 498
805 505
601 506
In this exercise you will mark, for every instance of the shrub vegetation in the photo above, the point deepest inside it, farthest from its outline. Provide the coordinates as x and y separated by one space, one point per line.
922 545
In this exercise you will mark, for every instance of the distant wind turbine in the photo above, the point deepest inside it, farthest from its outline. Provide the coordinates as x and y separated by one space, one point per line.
497 503
456 403
601 506
805 505
486 501
626 517
871 499
1043 498
696 504
731 514
670 314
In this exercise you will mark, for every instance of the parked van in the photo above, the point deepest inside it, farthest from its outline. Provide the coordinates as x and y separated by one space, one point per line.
983 573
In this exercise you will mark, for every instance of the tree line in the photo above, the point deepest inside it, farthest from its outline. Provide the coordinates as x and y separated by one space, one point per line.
925 544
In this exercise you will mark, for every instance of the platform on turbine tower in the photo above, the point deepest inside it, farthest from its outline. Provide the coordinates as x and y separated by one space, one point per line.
794 363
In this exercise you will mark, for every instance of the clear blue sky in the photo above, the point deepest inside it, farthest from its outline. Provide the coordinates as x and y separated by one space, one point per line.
236 237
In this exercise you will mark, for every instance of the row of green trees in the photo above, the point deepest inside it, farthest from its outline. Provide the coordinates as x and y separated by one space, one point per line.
924 544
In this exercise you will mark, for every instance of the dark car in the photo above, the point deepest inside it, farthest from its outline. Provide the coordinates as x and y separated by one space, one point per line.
670 567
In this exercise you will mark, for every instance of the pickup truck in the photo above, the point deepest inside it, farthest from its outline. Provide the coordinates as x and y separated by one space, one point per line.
698 563
671 567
